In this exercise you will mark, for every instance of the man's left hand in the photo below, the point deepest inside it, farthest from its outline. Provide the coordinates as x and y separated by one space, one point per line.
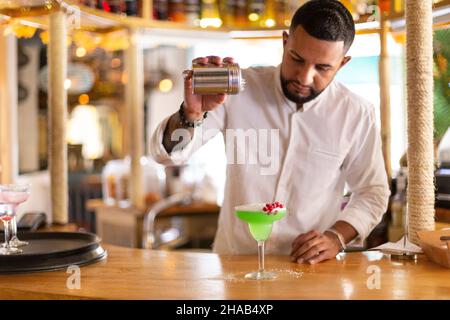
314 247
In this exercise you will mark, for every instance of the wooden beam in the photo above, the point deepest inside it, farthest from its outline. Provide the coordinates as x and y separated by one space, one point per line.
147 9
8 108
134 61
385 96
57 101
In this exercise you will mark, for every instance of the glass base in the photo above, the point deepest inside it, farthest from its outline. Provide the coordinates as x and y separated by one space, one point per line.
261 275
17 243
9 251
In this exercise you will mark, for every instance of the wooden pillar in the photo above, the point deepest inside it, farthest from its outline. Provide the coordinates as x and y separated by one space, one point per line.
57 103
385 96
134 61
147 9
8 108
419 55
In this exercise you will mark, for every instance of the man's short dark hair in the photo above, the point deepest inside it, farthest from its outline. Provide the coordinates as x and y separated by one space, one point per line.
325 20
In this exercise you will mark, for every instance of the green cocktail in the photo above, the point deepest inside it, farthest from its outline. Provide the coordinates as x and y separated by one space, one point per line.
260 218
259 222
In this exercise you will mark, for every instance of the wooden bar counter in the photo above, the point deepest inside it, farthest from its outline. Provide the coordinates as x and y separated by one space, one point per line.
142 274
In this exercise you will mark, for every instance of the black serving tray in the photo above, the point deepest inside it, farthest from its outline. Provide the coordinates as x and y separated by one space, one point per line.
49 251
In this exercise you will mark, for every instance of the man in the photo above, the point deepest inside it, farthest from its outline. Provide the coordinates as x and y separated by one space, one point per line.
326 136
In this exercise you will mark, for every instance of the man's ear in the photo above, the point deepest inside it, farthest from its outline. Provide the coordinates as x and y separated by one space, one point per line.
345 60
285 38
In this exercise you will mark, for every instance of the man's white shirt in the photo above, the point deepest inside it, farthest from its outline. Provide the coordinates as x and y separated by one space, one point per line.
301 158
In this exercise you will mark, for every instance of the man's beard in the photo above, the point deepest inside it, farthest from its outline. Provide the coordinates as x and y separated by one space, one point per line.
294 97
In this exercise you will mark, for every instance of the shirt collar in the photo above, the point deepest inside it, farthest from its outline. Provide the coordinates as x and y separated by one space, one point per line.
293 105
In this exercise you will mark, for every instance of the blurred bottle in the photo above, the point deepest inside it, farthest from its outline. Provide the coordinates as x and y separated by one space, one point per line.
226 9
176 11
282 14
103 5
255 12
398 206
154 180
131 7
268 20
192 9
89 3
398 6
112 183
385 6
116 6
116 181
240 14
160 9
210 16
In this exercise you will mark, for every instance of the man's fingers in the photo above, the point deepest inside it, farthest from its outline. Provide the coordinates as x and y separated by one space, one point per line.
228 60
315 251
324 255
214 60
304 237
220 98
301 239
305 247
187 75
211 101
200 61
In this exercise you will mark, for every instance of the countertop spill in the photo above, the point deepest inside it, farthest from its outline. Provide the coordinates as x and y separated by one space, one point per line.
283 274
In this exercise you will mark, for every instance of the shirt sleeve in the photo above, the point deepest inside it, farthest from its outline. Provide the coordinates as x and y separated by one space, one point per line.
366 180
213 124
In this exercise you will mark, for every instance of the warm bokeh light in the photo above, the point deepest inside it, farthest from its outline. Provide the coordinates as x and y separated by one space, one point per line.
124 78
80 52
84 128
83 99
210 22
253 17
165 85
67 84
269 23
115 63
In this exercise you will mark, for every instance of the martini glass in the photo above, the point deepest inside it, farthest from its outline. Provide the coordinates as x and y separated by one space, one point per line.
6 217
260 221
14 195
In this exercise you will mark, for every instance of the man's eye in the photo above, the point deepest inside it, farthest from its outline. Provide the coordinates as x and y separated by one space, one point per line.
321 68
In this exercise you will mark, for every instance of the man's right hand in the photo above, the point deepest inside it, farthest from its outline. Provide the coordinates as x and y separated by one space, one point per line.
195 105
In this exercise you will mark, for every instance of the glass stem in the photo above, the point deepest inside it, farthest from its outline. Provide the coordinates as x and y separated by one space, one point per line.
13 227
261 256
6 231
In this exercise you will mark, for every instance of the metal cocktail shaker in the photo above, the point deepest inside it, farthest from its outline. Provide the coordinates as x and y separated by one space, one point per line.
214 80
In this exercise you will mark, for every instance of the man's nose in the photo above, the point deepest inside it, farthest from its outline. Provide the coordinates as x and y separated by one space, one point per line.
305 76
